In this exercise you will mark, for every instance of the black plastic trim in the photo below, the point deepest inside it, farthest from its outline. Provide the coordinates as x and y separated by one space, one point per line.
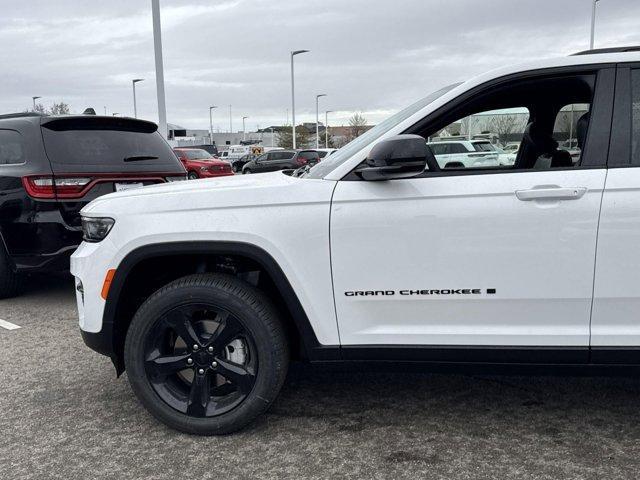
467 354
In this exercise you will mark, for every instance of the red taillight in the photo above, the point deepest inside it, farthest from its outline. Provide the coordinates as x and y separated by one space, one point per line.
75 186
52 187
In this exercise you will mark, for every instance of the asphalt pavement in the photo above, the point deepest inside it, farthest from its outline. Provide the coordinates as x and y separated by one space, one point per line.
63 414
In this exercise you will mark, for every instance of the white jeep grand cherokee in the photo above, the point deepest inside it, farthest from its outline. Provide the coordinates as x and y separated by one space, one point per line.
203 291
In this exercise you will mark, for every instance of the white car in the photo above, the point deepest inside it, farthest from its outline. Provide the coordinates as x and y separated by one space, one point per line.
204 291
452 154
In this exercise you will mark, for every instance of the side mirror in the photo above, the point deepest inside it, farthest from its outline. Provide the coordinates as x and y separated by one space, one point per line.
402 156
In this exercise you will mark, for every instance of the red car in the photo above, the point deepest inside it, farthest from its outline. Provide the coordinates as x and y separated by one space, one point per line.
201 164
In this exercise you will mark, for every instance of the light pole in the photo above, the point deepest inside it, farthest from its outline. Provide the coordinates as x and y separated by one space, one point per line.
243 128
157 47
593 22
326 128
318 120
293 97
230 121
211 124
135 106
34 102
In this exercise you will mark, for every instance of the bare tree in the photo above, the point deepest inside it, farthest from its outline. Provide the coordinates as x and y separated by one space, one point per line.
505 125
285 137
357 124
39 108
60 108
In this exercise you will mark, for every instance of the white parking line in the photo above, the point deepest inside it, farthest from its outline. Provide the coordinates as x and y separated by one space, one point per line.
8 325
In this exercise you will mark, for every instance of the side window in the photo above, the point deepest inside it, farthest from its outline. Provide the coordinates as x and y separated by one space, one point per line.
498 127
11 148
635 117
457 148
570 128
437 148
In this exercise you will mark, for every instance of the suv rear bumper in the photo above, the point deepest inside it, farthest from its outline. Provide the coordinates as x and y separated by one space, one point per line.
45 262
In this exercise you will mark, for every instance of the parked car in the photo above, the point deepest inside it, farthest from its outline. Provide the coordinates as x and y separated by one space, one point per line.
464 153
281 160
325 152
51 167
238 164
379 253
201 164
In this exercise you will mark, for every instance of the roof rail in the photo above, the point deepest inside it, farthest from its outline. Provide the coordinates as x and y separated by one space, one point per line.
608 50
23 114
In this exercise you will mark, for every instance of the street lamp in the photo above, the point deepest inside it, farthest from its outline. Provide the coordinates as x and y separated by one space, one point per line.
157 48
593 22
34 102
211 124
135 106
243 128
326 128
293 96
317 120
230 121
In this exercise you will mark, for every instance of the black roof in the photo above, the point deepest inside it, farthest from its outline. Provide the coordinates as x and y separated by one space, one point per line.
595 51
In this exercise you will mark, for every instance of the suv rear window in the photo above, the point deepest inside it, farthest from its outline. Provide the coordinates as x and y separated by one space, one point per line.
308 155
98 149
11 147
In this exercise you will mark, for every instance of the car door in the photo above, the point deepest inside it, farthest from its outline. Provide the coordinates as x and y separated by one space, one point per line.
261 163
615 325
493 258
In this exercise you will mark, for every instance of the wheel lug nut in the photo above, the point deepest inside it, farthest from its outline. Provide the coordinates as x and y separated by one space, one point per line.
201 371
190 361
210 349
214 364
195 347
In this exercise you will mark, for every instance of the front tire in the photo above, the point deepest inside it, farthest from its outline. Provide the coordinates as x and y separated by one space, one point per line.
206 354
192 176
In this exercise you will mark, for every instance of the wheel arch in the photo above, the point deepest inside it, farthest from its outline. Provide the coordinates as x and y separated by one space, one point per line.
198 256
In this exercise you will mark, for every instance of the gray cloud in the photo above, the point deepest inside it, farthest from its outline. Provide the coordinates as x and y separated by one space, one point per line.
372 56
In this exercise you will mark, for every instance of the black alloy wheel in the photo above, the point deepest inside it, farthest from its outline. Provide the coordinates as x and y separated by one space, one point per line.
206 354
200 360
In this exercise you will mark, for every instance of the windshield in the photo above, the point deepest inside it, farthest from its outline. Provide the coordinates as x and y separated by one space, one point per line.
197 154
343 154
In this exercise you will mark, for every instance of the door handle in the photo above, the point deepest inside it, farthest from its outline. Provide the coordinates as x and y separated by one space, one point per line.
551 193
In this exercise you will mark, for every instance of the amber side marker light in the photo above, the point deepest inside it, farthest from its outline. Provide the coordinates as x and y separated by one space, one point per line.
107 283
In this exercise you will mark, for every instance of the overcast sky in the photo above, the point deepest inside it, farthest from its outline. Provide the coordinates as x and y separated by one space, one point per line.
370 56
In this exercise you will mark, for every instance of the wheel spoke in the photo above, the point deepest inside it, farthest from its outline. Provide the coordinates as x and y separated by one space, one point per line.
238 375
162 366
180 322
199 396
227 331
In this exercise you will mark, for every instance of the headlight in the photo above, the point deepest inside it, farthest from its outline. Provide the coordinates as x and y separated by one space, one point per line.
95 229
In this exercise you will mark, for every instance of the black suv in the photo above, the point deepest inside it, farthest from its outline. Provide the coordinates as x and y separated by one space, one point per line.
51 167
281 160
